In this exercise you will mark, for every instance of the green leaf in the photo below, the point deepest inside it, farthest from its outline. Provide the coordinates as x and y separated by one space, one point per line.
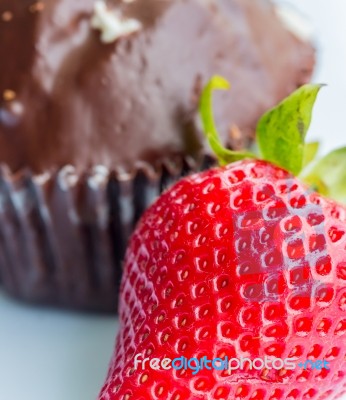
281 131
224 155
310 152
328 175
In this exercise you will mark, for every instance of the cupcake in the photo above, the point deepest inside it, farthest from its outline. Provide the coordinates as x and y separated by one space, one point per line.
98 114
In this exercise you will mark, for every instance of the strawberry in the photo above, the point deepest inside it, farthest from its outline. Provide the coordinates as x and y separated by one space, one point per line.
239 262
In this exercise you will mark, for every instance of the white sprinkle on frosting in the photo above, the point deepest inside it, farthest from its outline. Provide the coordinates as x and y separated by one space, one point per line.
111 23
295 23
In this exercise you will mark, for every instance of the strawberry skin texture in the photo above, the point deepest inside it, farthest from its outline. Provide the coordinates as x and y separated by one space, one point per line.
239 261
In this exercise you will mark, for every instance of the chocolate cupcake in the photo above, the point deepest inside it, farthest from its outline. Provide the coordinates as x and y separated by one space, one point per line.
98 114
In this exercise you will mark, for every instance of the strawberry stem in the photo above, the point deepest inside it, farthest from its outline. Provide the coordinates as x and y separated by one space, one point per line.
281 136
224 155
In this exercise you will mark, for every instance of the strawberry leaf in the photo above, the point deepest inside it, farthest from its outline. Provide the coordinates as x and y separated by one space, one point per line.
328 175
310 152
281 131
224 155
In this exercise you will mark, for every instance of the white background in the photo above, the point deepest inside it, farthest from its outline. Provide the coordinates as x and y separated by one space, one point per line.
53 355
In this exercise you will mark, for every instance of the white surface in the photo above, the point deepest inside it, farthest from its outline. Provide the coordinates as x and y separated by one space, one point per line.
50 355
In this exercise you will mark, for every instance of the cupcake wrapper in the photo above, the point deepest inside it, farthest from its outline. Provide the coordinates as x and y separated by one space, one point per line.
63 235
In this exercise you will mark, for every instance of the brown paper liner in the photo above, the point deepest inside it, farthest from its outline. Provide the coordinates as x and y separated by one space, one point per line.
63 235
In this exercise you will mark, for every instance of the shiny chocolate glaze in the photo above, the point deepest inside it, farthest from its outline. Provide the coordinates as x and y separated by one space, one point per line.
68 98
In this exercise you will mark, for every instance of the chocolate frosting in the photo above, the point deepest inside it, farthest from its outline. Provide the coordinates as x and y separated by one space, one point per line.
68 98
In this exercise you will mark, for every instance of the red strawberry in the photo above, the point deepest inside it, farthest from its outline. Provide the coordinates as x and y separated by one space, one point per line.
238 261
